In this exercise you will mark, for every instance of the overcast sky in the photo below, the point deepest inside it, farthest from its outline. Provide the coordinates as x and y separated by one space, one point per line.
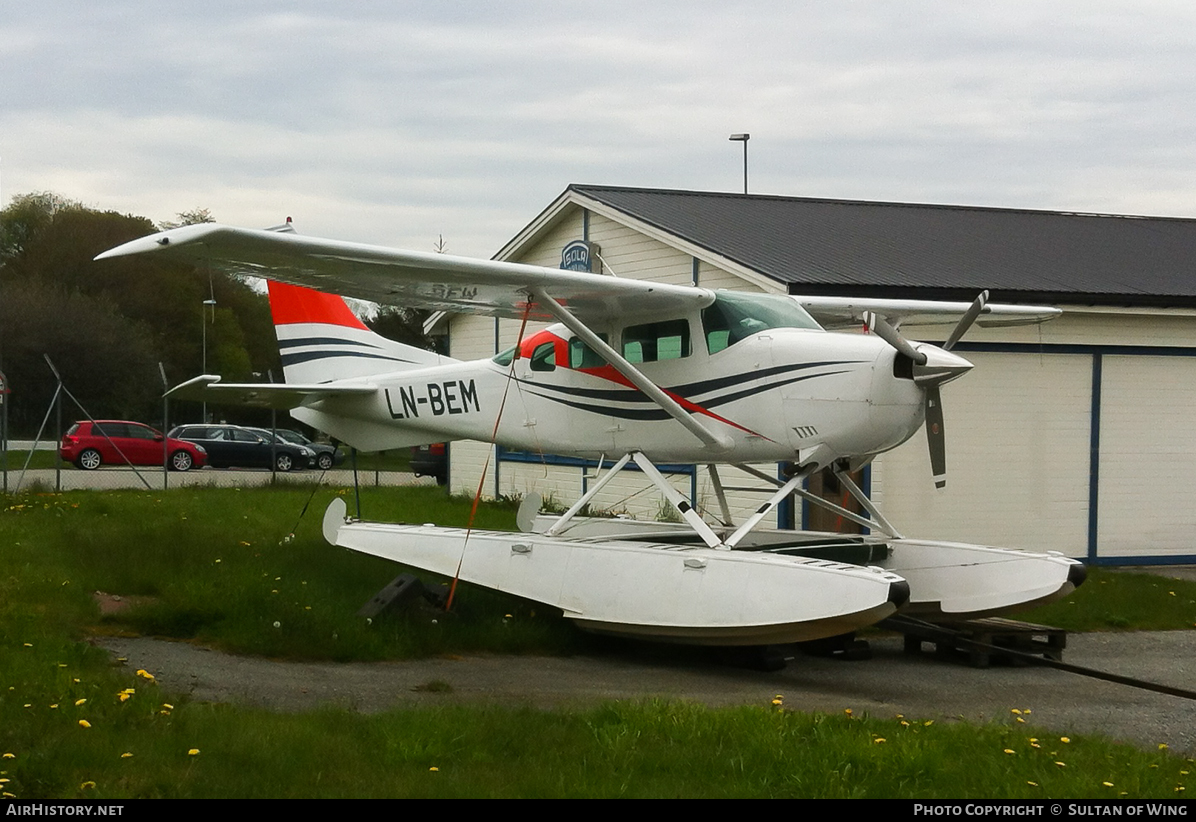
395 122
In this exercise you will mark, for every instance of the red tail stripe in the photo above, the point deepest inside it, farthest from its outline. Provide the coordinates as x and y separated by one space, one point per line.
295 304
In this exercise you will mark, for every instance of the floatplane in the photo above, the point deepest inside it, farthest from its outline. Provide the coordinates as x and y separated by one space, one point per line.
642 373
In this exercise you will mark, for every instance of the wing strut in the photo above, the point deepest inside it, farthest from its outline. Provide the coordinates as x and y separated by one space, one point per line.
718 443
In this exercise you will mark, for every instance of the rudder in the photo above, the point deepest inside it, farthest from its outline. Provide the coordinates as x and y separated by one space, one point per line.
320 339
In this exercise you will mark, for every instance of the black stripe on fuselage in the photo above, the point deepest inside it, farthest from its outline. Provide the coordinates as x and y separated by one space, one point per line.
298 341
658 413
308 356
690 391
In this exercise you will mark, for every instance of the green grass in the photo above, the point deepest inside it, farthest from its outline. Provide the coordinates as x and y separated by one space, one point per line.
41 459
1121 600
154 744
221 566
242 571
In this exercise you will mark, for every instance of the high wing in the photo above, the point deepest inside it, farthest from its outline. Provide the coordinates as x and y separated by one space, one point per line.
844 312
208 388
411 278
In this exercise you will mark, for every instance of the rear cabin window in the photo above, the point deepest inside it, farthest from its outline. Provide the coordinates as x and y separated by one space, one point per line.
652 342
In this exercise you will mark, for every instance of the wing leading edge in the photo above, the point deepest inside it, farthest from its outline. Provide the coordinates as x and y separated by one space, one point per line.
844 312
411 278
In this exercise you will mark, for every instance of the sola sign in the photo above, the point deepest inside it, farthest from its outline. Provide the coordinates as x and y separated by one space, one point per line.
576 256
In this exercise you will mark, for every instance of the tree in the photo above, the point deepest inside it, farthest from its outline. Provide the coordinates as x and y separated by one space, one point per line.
156 306
193 217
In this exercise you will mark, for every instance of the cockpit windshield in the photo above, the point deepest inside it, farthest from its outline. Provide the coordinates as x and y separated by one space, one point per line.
734 316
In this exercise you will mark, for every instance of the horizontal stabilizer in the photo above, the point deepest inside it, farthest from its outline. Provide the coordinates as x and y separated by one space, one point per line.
209 388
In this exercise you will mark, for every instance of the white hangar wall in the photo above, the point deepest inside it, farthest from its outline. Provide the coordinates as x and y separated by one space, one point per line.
1074 436
1078 436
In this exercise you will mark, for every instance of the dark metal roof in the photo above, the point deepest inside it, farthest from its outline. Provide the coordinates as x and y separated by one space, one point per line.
938 251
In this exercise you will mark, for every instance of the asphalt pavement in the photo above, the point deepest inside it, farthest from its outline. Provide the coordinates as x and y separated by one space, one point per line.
890 683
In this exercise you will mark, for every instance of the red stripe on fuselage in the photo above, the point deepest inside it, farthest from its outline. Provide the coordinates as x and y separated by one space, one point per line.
608 372
294 304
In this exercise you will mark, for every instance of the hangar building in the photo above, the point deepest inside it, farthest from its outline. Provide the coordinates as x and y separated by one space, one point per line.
1076 436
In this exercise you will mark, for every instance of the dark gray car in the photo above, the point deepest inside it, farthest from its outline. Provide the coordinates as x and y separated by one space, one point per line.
230 446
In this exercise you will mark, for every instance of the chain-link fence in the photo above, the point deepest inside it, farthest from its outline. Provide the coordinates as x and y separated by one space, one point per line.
43 474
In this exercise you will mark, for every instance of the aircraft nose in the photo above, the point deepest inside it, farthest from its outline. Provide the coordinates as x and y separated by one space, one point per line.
941 366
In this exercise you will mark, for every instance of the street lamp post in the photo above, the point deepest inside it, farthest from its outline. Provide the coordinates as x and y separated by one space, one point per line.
203 324
742 138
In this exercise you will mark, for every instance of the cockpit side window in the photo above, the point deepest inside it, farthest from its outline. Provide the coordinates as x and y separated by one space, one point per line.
543 358
734 316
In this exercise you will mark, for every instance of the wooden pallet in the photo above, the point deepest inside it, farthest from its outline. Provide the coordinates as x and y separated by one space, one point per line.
958 637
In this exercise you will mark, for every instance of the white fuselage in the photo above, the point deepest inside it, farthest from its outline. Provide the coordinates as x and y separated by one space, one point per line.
782 394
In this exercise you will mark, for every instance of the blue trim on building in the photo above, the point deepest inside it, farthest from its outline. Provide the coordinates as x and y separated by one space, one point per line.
1094 456
1156 559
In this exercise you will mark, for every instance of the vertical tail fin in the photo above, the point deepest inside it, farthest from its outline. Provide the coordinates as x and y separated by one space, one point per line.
320 339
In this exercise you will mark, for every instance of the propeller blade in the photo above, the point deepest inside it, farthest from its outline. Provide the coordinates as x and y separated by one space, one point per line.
935 437
965 322
889 334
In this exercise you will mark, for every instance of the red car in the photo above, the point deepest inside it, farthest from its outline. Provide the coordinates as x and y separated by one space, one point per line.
113 442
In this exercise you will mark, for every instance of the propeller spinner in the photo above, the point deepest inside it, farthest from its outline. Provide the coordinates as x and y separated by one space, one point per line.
932 366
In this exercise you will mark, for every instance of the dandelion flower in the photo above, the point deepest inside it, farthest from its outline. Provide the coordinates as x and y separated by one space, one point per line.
1061 764
86 785
193 752
433 768
1035 784
1014 711
9 756
79 702
83 723
1009 750
126 755
1162 746
847 711
142 672
1065 739
879 740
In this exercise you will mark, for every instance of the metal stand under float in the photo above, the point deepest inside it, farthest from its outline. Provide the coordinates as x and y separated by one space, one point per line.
983 640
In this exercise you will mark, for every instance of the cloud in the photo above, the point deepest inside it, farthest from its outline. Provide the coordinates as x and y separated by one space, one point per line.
396 122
